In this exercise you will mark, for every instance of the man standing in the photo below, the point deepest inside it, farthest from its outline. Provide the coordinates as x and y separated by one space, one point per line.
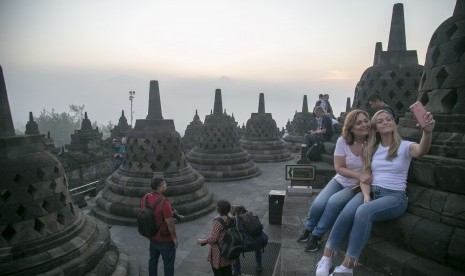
164 242
329 109
324 129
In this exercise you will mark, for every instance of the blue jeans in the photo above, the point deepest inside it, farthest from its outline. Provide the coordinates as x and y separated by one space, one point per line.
326 207
357 218
168 254
258 262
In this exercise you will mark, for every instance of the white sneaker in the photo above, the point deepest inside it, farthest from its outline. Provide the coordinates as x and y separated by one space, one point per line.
323 266
342 271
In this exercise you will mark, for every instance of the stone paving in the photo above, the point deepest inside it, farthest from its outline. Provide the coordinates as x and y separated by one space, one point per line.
253 193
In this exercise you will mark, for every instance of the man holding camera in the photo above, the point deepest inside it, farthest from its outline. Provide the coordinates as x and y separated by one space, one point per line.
165 241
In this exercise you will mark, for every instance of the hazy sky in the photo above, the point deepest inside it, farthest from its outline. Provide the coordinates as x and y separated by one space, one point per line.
93 52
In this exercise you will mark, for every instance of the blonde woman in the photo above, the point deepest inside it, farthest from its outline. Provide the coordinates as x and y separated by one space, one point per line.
388 158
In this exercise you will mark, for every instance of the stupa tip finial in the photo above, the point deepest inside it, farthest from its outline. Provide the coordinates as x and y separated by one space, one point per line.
31 118
154 102
261 104
397 41
218 106
6 121
305 105
85 115
122 113
378 50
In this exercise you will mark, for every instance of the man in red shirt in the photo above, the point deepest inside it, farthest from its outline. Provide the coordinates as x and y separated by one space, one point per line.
164 242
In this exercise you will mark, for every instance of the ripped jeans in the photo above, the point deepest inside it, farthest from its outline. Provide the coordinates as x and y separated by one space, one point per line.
357 218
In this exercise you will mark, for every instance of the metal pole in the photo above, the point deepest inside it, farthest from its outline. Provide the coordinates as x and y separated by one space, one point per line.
131 97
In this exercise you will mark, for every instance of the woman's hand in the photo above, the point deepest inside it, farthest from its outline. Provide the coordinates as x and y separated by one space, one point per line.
365 177
366 198
202 242
430 123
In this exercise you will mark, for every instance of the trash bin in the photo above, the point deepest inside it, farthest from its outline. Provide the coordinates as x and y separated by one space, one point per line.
275 205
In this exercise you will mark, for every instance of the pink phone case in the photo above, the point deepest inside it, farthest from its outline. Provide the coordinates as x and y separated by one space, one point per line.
418 110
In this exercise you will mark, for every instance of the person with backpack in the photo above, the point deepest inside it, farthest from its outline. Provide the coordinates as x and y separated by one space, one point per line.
221 266
348 165
165 241
239 211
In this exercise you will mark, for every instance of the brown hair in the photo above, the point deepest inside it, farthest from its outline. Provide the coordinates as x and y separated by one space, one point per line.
223 207
349 122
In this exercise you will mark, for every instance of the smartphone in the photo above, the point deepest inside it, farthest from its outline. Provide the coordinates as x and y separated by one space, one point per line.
418 110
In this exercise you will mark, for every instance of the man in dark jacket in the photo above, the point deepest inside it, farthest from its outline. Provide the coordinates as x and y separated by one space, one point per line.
324 129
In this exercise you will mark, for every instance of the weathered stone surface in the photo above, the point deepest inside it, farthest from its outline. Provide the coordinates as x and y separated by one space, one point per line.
302 122
219 156
154 149
41 230
432 229
262 139
192 134
395 73
123 129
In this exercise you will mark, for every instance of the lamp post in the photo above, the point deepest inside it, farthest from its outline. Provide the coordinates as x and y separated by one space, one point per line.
131 97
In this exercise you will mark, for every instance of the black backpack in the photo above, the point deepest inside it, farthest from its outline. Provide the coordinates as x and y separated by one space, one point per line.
233 244
252 232
314 153
146 222
251 223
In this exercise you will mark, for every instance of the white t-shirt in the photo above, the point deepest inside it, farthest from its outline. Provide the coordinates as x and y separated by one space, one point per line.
391 174
353 162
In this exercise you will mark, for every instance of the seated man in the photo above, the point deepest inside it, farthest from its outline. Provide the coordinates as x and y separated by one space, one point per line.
324 129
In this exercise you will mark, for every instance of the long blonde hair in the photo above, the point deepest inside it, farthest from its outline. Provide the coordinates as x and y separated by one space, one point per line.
374 139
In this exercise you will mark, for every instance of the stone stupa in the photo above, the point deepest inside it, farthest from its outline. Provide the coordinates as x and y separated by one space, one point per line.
262 139
41 230
191 136
122 129
395 73
219 156
430 236
302 122
154 149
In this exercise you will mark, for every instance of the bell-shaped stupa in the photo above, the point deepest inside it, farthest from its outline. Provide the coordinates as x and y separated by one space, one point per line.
32 128
219 156
123 129
395 73
87 139
301 123
192 134
431 238
41 230
154 149
262 139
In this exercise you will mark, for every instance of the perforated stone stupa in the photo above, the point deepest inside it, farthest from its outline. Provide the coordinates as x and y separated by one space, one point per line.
219 156
154 149
395 73
122 129
431 238
262 139
87 139
192 134
302 122
41 230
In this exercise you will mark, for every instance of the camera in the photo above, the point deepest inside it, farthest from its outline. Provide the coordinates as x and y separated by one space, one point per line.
177 216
